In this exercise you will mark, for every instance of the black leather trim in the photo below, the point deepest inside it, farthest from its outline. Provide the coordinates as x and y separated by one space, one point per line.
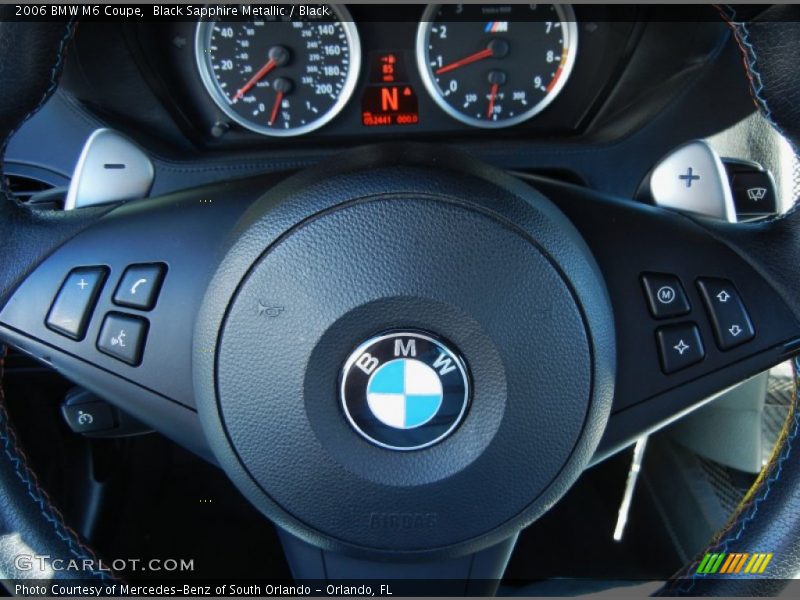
768 520
31 57
29 517
770 46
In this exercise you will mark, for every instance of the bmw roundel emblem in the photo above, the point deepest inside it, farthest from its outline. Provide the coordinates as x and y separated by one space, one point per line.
404 390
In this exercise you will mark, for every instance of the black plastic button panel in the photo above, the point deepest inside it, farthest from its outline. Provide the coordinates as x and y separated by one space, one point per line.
665 295
72 308
729 319
679 346
139 286
123 337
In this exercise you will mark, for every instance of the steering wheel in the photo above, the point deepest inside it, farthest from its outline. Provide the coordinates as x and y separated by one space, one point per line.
290 311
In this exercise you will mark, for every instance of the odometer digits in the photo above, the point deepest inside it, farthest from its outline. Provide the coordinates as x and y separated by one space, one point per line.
496 65
277 76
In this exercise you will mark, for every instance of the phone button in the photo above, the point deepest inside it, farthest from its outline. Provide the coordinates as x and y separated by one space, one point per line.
140 285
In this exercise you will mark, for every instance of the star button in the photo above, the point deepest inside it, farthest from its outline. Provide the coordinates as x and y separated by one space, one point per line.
681 347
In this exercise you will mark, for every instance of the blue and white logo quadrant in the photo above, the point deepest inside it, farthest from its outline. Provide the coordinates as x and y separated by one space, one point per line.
404 393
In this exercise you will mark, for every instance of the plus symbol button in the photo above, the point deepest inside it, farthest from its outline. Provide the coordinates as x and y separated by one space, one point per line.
689 177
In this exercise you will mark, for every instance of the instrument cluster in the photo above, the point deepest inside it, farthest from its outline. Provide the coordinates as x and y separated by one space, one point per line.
353 71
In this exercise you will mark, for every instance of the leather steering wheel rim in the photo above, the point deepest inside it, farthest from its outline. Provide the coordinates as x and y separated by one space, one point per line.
769 45
25 507
766 512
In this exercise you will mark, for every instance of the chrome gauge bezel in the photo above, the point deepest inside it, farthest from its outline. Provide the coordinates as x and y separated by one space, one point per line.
566 15
204 68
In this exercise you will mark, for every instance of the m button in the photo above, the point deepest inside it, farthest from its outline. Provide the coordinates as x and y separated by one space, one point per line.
665 295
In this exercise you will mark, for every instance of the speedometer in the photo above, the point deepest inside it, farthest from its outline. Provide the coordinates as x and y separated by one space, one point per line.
496 65
278 76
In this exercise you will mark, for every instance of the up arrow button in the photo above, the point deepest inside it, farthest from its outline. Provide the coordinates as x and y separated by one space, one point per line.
726 311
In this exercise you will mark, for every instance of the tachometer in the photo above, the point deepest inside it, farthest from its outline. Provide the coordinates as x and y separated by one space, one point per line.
277 76
496 65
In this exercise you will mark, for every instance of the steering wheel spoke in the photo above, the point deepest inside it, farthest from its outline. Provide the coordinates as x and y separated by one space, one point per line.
692 316
114 307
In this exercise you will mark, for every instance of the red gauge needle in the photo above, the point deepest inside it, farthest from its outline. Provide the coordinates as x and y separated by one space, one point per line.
485 53
270 64
275 107
492 97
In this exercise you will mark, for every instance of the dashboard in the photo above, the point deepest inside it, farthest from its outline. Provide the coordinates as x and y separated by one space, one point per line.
624 85
349 73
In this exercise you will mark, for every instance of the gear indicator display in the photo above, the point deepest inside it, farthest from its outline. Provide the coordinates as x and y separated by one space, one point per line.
389 99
